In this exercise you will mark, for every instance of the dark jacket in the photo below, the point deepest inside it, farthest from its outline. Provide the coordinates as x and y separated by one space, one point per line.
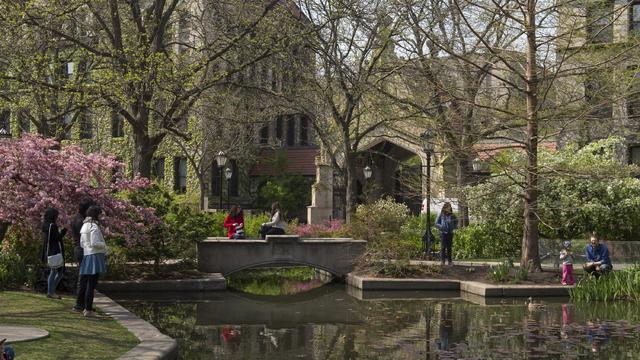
446 223
56 245
76 226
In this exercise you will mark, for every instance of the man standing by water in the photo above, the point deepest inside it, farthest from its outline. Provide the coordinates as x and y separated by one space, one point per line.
598 261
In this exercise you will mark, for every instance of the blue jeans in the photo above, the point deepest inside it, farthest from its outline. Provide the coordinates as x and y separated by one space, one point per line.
54 279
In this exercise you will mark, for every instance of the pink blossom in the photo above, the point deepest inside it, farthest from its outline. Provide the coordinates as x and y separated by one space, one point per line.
35 175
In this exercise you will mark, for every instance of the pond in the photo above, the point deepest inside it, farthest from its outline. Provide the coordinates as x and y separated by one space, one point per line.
336 322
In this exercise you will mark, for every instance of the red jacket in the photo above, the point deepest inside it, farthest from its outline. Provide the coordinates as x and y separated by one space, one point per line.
230 220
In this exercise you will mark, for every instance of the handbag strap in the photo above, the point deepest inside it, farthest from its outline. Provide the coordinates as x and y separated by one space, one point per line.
48 239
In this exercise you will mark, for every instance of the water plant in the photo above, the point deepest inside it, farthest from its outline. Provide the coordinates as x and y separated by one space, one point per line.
500 272
616 285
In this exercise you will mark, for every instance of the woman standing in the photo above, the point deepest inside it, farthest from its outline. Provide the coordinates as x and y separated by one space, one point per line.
52 245
276 226
447 224
93 262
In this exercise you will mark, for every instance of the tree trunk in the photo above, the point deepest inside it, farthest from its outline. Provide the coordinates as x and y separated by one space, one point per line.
144 149
350 193
203 190
530 252
462 165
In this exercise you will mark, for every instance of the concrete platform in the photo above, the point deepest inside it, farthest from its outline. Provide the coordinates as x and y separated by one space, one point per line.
153 345
21 333
212 282
472 287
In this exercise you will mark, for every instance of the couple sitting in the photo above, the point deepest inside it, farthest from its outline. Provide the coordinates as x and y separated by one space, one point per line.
234 223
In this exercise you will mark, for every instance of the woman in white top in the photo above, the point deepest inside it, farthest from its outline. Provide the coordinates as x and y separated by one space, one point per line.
94 260
276 226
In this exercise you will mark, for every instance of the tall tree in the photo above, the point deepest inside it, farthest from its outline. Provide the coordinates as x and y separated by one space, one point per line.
152 60
547 51
349 39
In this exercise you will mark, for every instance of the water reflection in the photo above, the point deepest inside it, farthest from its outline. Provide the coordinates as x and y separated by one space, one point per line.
328 323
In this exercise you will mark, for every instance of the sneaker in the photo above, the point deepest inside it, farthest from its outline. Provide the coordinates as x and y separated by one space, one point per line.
76 309
89 313
57 297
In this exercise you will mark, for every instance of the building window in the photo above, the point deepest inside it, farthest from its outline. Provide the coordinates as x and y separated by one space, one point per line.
279 126
117 125
86 126
233 182
216 185
264 134
182 124
595 93
66 126
634 19
304 130
24 122
180 174
600 21
5 125
633 97
291 130
634 155
157 169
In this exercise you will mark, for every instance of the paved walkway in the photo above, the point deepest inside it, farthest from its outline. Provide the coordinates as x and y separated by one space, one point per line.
21 333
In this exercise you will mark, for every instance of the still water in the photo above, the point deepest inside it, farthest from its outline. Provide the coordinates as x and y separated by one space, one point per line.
336 322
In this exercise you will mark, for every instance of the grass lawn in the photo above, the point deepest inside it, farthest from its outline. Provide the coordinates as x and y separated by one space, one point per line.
71 336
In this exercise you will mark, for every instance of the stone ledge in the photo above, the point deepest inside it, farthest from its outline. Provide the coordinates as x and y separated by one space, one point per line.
367 283
153 345
473 287
213 282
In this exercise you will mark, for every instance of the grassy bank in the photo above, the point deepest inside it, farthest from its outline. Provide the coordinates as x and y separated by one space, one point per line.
616 285
71 336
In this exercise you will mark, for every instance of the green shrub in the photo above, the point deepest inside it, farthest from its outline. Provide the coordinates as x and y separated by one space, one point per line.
13 271
373 221
485 241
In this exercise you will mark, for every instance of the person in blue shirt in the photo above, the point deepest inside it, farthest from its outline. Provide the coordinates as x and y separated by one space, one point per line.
598 261
6 352
447 224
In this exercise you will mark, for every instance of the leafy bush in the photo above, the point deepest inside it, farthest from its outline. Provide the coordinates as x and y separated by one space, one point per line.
13 271
582 190
373 221
485 241
616 285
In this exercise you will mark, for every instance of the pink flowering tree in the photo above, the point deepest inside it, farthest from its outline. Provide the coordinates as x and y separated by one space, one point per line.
36 173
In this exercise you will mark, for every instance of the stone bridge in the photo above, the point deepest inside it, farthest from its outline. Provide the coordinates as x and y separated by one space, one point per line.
226 256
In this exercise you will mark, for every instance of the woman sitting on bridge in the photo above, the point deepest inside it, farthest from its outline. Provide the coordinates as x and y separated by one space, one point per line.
234 223
276 226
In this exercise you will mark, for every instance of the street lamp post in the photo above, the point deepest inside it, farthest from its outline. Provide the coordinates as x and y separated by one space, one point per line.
228 173
427 146
367 175
221 159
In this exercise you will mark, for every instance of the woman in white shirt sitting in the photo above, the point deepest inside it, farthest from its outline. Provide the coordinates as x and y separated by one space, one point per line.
277 224
94 260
